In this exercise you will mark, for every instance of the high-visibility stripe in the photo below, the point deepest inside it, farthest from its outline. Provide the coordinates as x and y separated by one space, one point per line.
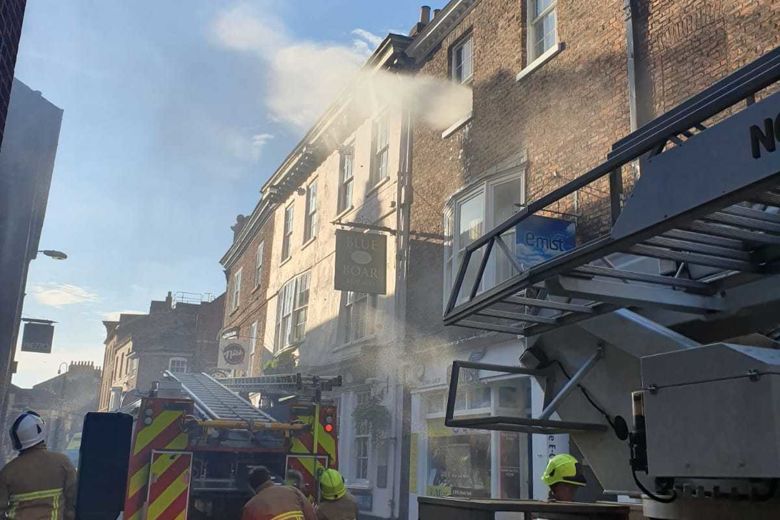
289 515
177 508
138 480
156 508
160 423
327 441
163 462
34 495
135 516
181 516
160 481
180 442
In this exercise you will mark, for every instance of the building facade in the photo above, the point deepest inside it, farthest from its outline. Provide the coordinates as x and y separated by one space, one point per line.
555 83
139 348
29 147
12 17
62 401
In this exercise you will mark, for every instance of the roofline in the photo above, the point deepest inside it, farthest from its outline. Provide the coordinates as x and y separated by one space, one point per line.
259 216
439 28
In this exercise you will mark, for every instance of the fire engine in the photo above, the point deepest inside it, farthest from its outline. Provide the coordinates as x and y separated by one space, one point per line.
194 440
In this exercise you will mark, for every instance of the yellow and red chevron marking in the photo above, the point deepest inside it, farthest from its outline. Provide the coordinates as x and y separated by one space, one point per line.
169 485
163 432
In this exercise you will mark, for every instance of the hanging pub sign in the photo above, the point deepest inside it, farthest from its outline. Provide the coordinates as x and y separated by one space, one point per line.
538 239
233 356
361 262
37 337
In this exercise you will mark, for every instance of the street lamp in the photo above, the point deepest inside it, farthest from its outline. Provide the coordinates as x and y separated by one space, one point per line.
53 253
59 368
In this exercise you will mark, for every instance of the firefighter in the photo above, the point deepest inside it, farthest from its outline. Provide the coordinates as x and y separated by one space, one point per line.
563 476
275 502
38 483
336 503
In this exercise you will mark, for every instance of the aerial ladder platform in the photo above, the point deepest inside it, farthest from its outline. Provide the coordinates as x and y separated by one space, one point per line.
662 315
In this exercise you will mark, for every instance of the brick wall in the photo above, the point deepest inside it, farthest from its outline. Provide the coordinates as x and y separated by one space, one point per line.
11 17
253 300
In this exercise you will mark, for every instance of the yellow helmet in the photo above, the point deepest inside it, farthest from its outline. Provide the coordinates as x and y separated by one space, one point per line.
332 485
563 468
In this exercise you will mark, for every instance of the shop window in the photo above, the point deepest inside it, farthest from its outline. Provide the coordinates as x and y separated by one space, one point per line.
467 217
459 465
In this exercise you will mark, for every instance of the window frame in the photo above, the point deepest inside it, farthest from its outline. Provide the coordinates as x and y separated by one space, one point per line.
178 358
380 156
310 217
287 229
460 45
235 293
346 184
289 311
531 29
452 247
353 303
259 252
362 437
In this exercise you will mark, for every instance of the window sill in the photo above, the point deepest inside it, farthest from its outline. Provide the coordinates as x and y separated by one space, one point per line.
375 187
256 288
284 261
343 213
357 343
457 126
306 244
235 310
541 60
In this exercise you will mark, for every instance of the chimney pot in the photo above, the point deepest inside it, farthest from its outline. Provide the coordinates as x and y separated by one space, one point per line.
425 14
436 13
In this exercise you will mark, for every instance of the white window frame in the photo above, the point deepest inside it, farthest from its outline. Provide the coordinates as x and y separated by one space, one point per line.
310 219
466 43
178 359
532 29
355 303
362 437
452 245
380 150
235 295
287 230
346 178
259 263
291 311
253 339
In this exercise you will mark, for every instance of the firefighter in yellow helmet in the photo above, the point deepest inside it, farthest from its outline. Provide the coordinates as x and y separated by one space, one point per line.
563 476
336 503
38 483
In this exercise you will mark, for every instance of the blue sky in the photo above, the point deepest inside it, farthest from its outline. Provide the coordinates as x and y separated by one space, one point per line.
175 113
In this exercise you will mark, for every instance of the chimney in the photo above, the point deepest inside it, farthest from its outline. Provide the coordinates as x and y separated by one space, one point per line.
425 14
238 226
169 301
436 13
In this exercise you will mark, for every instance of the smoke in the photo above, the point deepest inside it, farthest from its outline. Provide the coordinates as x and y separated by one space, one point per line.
303 78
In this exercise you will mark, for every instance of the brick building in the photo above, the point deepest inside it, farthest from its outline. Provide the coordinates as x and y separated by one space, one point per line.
247 273
62 401
174 335
555 83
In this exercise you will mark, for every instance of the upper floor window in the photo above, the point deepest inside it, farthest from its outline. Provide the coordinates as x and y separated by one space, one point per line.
253 338
467 218
462 55
381 151
542 27
345 178
310 227
235 294
287 232
291 312
362 441
358 315
177 365
259 264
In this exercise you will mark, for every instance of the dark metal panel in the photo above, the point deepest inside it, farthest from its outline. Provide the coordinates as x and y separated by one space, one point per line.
698 247
705 239
732 232
739 221
684 283
519 316
549 304
693 258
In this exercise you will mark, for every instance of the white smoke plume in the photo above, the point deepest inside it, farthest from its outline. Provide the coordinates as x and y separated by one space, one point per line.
304 77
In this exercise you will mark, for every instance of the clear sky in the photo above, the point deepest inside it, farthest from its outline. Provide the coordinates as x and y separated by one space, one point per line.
175 113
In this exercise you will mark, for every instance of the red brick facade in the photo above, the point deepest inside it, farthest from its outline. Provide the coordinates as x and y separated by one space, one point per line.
11 18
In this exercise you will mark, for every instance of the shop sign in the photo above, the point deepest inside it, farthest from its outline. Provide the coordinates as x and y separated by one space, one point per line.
538 239
37 337
361 262
233 356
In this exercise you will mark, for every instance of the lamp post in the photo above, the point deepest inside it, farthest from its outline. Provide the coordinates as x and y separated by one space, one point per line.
53 253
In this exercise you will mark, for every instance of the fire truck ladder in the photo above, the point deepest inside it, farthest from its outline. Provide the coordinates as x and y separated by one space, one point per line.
215 401
699 234
282 384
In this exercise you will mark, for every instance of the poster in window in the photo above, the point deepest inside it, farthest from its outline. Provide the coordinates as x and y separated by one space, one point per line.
538 239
